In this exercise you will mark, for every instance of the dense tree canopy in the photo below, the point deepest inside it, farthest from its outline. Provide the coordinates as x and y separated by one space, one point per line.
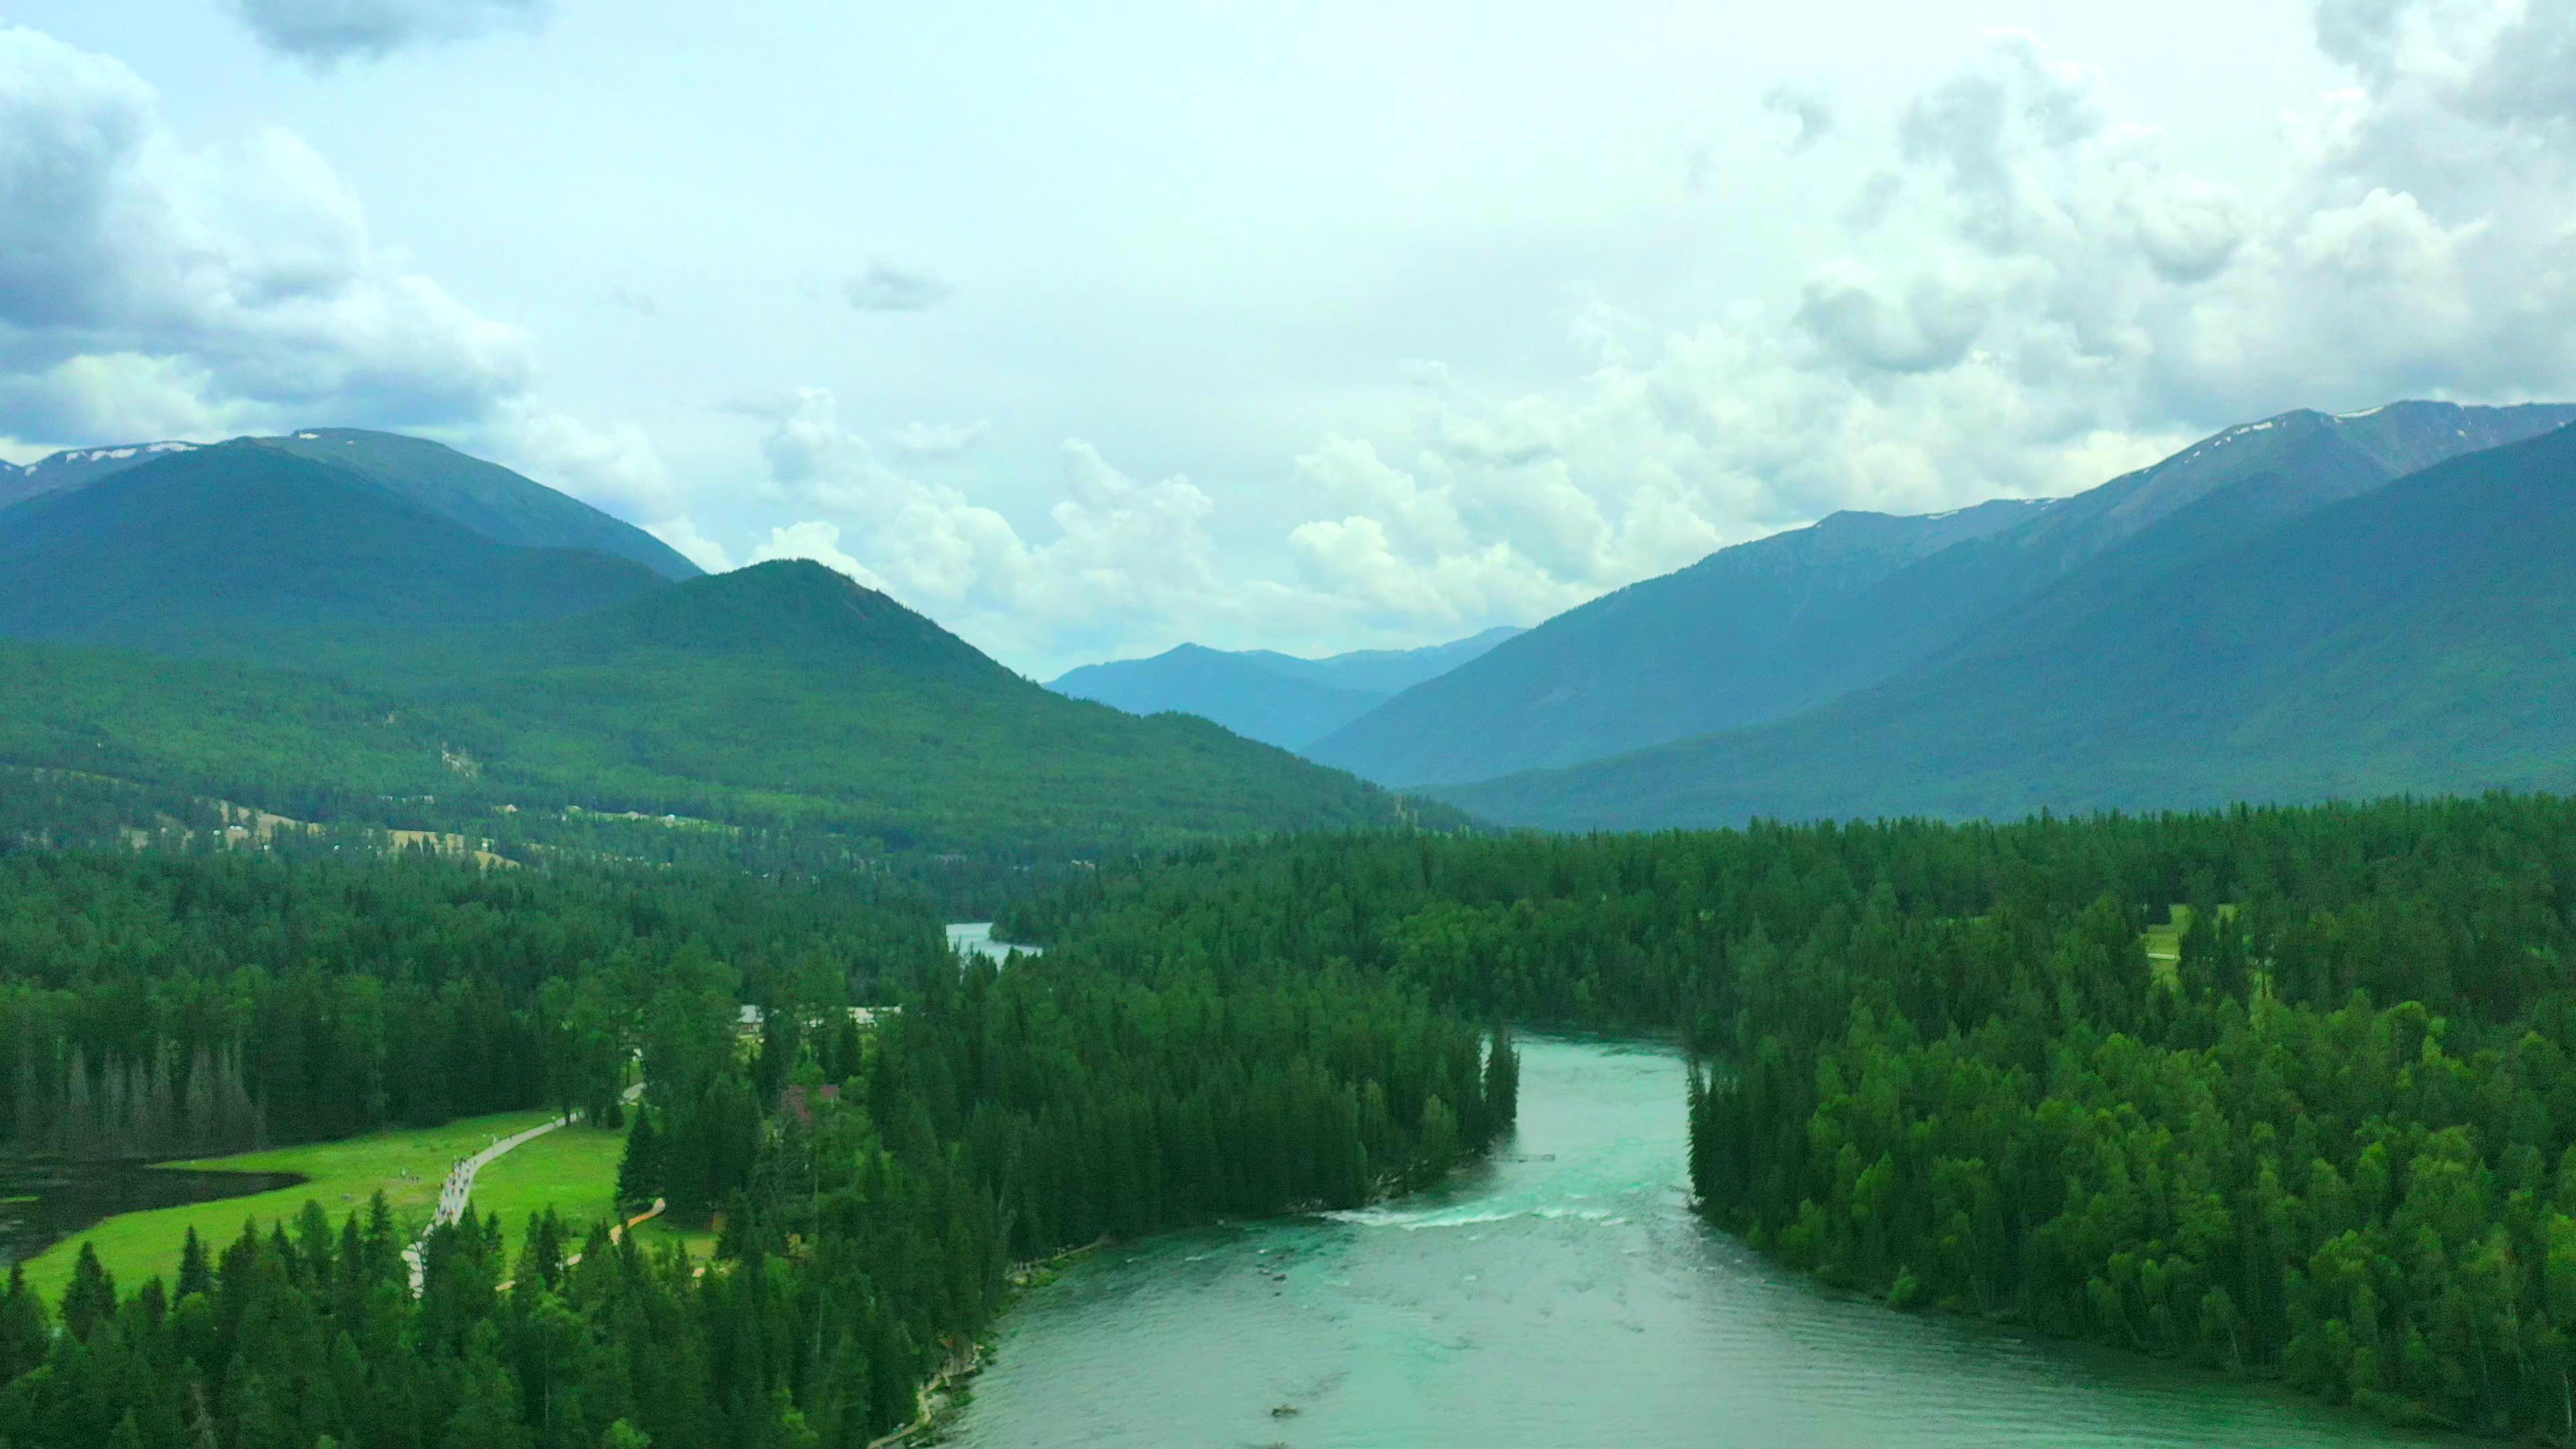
195 999
2328 1131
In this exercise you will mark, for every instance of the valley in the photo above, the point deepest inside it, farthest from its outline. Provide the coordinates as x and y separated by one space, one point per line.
2189 1023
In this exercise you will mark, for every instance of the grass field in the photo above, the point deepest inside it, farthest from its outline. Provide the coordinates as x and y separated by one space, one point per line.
2164 946
2164 943
653 1235
573 1168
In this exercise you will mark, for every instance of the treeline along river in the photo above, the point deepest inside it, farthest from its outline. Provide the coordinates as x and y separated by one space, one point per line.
1562 1293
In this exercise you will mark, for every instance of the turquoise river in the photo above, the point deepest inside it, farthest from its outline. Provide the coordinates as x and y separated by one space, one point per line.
1561 1294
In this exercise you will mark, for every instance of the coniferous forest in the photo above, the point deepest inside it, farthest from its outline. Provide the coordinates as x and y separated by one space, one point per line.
2279 1092
2328 1135
1989 858
163 1003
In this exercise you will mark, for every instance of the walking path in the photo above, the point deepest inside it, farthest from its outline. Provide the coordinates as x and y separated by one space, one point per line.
458 1191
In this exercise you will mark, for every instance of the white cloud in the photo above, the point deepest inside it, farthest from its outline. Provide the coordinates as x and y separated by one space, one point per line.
940 440
152 288
1123 558
1462 381
886 287
1807 108
819 542
2035 295
616 467
124 396
682 535
1926 330
323 32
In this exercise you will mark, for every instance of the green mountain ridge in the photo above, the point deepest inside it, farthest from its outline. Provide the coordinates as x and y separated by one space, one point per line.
238 548
2408 640
491 500
1689 651
485 498
75 468
797 694
1770 629
1264 695
251 623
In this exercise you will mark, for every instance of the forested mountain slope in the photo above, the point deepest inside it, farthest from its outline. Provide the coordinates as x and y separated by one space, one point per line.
1716 643
1263 695
1768 629
308 638
242 549
2411 639
783 697
485 497
785 687
482 497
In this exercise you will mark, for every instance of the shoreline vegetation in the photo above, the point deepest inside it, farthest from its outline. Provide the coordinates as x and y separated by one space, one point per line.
1022 1279
863 1179
2281 1091
937 1407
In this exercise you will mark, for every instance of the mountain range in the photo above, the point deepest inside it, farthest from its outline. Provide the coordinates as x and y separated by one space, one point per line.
1769 629
2412 639
1260 694
364 626
367 627
2404 638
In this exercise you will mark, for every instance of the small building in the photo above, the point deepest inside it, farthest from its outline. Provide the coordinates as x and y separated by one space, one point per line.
800 1099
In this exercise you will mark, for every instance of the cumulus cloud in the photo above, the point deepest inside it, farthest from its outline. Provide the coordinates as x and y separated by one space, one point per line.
819 542
1118 558
324 32
2035 296
940 440
682 535
1806 108
1422 550
615 466
2017 286
152 288
885 287
1929 328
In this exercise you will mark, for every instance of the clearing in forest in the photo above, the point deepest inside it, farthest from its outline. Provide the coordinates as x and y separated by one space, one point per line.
408 1165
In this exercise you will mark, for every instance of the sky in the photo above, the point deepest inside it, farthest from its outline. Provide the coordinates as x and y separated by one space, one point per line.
1299 326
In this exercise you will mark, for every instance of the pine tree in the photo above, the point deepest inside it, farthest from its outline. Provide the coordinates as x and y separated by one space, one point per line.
77 1134
542 1257
194 1274
639 1171
23 1333
91 1297
199 1123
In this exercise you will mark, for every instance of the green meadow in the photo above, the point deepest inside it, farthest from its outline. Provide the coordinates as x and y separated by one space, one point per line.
573 1169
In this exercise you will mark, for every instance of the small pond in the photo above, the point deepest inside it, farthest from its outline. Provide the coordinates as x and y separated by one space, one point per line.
43 1201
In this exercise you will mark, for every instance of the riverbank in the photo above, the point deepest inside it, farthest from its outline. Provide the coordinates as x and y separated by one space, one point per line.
1561 1292
933 1400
